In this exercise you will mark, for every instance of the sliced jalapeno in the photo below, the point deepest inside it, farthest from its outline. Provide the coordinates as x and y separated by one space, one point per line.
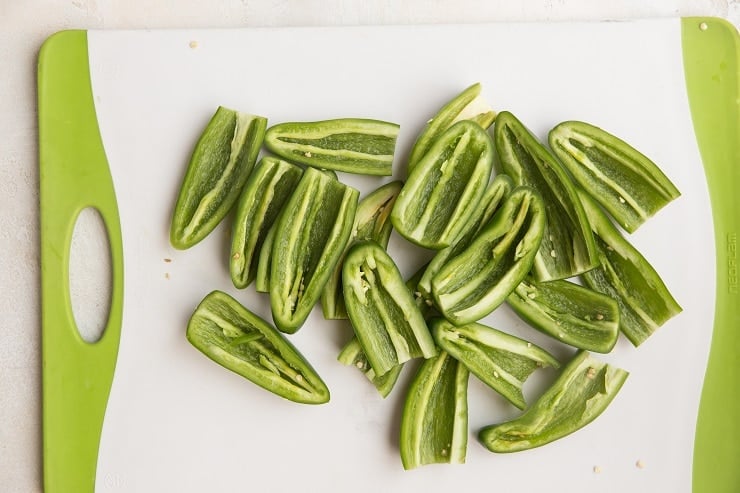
352 355
583 390
489 204
625 275
352 145
567 246
266 191
264 261
385 318
568 312
622 180
445 187
242 342
473 283
310 237
501 361
371 223
468 105
434 425
221 162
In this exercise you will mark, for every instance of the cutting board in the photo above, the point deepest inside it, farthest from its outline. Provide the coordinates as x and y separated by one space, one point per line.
141 410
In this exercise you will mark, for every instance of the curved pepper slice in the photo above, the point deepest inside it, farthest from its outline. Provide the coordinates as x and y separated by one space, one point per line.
568 246
625 275
500 360
445 187
385 318
221 162
494 196
621 179
310 237
352 145
434 424
468 105
475 282
583 390
371 223
266 191
568 312
352 355
242 342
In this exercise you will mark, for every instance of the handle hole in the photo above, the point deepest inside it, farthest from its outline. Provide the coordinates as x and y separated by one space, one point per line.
90 278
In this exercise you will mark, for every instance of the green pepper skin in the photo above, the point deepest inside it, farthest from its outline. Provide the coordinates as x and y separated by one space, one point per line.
221 162
500 360
624 274
310 236
352 145
385 318
494 196
242 342
476 281
372 222
445 187
266 191
434 424
622 180
583 390
468 105
264 261
568 246
352 355
570 313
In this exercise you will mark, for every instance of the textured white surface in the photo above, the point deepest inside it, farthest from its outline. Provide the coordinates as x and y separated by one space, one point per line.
24 26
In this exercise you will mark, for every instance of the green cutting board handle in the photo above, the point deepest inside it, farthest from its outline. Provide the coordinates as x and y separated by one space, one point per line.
711 56
74 175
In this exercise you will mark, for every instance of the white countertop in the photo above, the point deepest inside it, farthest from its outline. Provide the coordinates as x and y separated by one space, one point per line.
25 25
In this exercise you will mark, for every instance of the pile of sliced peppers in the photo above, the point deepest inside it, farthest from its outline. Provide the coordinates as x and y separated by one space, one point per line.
546 216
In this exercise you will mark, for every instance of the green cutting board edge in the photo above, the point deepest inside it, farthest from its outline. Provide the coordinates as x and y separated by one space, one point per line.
711 54
74 175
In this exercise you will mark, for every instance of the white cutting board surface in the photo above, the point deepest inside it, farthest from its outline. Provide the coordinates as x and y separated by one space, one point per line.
178 422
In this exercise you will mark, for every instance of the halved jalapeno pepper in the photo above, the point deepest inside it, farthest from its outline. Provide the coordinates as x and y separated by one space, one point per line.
620 178
500 360
476 281
581 393
445 187
310 237
221 162
567 246
242 342
384 316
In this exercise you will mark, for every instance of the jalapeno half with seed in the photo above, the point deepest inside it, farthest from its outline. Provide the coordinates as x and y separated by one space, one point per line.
310 237
581 393
352 145
624 274
570 313
434 424
352 355
621 179
445 187
468 105
495 194
384 316
266 191
567 247
501 361
476 281
242 342
221 162
372 222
